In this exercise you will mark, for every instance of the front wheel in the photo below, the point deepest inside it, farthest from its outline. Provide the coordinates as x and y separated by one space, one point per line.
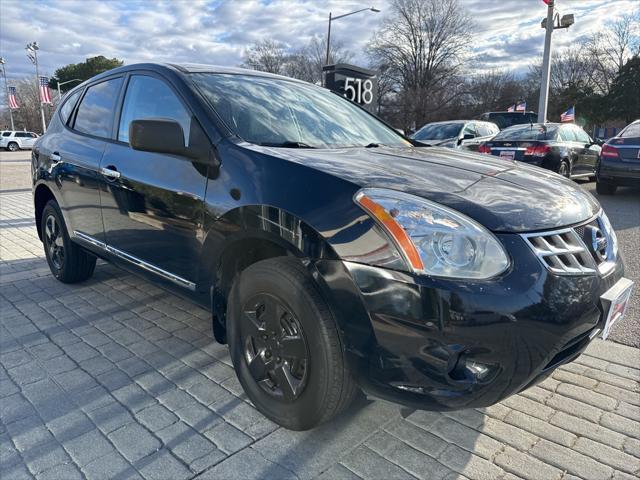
285 346
67 261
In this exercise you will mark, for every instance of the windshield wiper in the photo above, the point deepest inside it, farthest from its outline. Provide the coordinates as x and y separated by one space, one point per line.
287 144
374 145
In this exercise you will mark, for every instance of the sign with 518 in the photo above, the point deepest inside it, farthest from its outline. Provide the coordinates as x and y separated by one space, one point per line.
358 90
360 85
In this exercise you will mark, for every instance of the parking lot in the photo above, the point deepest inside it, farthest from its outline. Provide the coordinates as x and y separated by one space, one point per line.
116 378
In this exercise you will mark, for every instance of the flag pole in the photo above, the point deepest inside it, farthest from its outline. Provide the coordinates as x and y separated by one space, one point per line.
44 124
6 88
33 48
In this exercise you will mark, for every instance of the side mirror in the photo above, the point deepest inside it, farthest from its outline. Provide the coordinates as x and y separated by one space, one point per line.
157 135
468 136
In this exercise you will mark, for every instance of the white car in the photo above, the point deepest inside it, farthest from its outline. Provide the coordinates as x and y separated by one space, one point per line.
14 140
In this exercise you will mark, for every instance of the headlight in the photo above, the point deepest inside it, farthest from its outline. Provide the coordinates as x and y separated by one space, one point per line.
435 240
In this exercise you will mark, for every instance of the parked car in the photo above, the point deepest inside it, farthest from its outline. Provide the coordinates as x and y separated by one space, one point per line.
461 134
620 161
563 148
508 119
332 252
14 140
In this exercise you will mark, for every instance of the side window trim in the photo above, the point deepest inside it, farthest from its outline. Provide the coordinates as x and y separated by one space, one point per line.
80 100
72 114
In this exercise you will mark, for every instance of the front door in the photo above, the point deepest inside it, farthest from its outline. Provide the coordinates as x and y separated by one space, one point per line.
152 206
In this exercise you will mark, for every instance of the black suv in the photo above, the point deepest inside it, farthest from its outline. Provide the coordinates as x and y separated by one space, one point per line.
332 252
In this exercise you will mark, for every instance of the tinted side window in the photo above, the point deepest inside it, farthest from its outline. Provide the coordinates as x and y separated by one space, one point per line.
567 134
68 105
95 113
581 135
6 134
21 134
149 97
469 129
485 129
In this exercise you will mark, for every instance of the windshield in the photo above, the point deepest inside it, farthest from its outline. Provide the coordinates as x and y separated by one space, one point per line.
527 132
438 131
275 112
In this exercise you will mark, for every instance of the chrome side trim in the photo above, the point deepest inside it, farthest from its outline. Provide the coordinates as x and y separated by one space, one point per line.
89 239
136 261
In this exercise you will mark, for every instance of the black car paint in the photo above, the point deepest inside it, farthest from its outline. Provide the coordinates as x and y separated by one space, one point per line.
201 221
582 157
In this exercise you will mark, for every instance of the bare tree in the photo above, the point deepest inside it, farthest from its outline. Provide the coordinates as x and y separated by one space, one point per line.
608 50
424 43
306 63
266 56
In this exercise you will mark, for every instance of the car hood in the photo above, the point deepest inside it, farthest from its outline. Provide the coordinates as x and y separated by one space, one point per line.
502 195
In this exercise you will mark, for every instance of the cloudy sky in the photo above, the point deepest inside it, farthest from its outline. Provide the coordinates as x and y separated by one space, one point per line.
508 34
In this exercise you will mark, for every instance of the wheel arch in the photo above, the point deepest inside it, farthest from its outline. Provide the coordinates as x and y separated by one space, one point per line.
41 195
247 235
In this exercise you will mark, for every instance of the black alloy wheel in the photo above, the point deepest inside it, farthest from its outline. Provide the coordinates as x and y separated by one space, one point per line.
54 242
285 345
275 348
68 262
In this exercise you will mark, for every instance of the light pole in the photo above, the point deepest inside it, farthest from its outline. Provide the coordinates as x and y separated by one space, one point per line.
64 83
550 23
331 19
32 52
6 89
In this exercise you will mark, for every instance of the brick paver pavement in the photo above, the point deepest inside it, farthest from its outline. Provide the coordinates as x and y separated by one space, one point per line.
115 378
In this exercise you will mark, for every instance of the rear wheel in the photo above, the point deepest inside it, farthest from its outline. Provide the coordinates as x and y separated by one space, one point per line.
564 168
606 188
68 262
13 146
285 346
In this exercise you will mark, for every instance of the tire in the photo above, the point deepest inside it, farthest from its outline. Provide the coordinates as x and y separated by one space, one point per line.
67 261
564 168
13 147
606 188
321 385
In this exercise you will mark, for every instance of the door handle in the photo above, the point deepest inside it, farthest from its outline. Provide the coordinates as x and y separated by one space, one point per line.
110 172
55 158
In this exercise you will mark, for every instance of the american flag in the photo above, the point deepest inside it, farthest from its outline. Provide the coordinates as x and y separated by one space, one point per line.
13 101
569 115
45 93
512 108
521 107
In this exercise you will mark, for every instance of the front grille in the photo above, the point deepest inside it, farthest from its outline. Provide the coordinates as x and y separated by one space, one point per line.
566 252
562 252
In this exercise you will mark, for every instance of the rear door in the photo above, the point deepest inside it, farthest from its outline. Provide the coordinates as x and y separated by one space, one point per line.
74 152
153 204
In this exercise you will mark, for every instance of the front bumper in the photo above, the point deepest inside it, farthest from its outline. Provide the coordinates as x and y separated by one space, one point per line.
439 344
620 172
